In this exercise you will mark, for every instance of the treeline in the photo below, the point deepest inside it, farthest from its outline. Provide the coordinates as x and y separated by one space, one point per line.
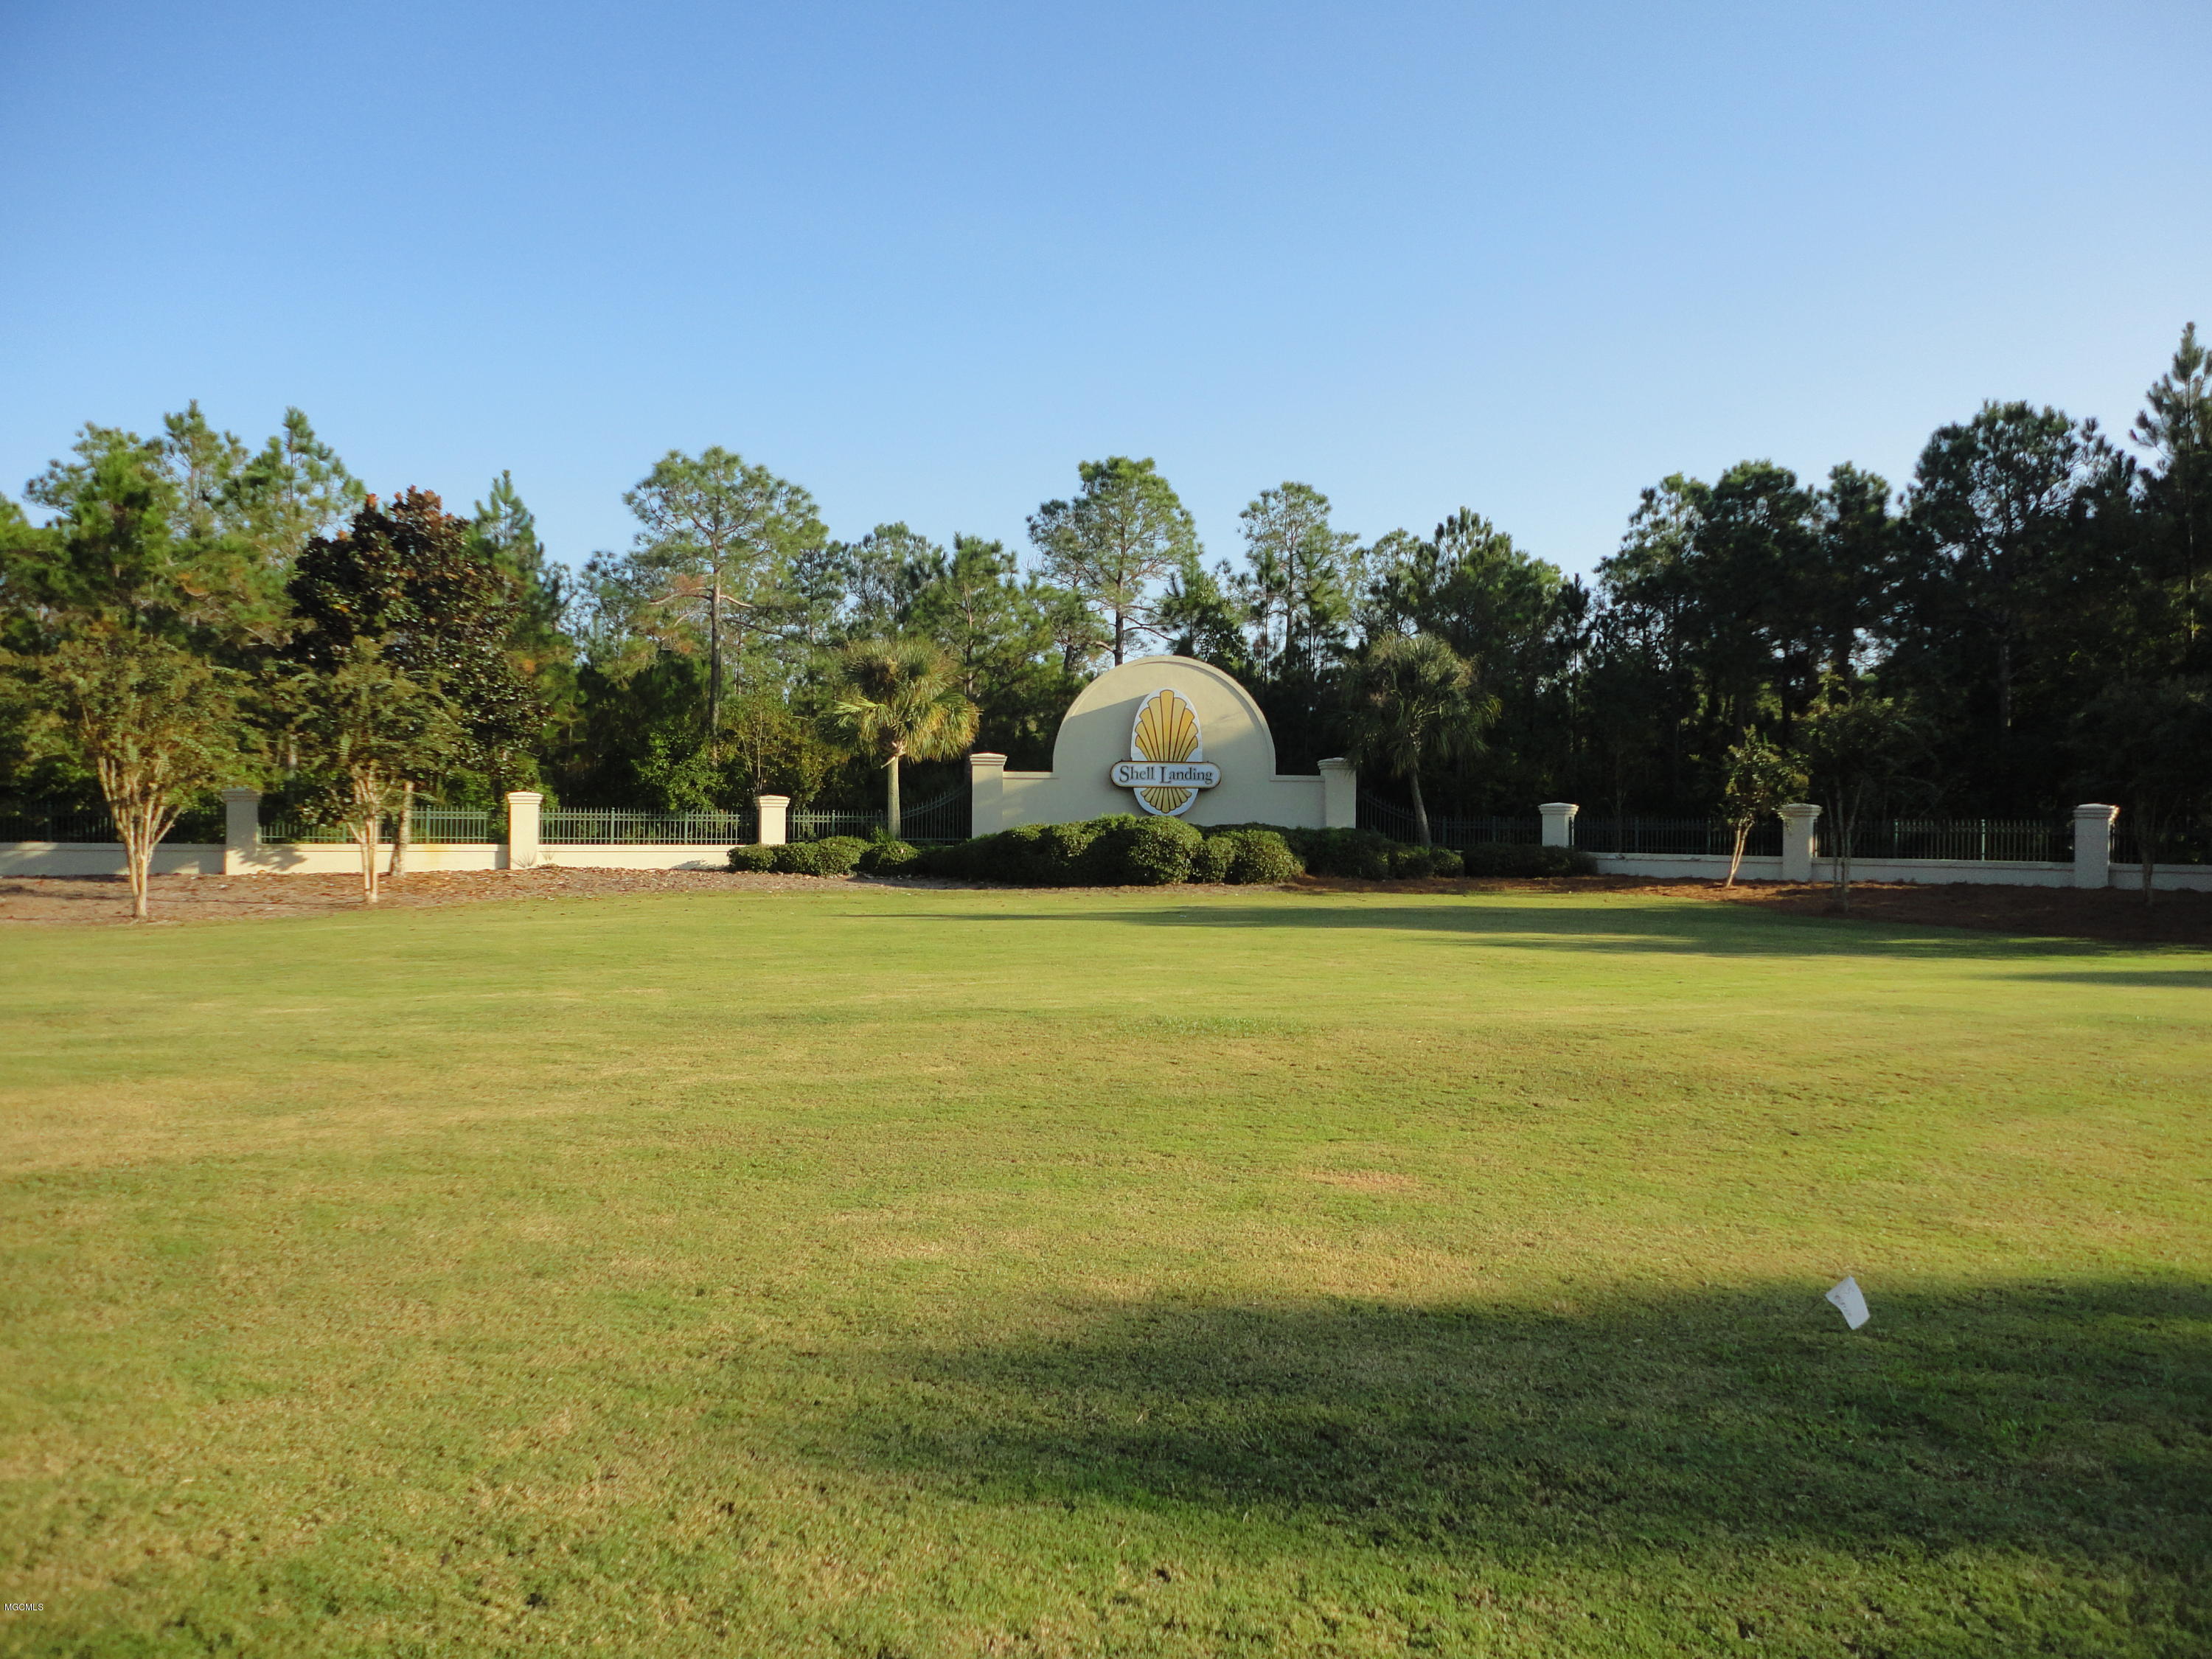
2030 605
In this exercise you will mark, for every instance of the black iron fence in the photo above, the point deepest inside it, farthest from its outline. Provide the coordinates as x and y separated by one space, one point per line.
599 826
821 822
2187 842
1679 836
948 817
1389 818
75 821
426 826
2000 841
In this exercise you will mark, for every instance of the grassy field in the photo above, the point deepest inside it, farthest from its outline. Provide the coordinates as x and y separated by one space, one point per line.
885 1273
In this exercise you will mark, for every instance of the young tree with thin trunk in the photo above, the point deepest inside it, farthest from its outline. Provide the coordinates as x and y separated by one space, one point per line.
367 727
1413 700
155 722
1758 779
1856 748
900 700
1123 533
112 617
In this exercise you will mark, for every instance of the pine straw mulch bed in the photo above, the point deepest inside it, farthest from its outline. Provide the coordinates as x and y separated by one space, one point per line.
2184 918
68 899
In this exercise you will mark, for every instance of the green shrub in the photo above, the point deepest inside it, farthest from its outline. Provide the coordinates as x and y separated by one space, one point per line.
1059 853
1502 858
890 858
1443 862
1135 852
755 859
1412 863
841 853
1215 856
834 857
1258 856
797 858
1361 854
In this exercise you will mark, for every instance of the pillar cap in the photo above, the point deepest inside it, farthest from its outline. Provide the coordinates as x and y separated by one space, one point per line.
1560 806
984 754
1799 809
241 795
2095 809
520 795
771 800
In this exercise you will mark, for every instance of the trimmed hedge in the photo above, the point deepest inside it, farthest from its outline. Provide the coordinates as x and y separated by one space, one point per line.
889 858
1129 851
1503 859
1257 857
1154 852
835 857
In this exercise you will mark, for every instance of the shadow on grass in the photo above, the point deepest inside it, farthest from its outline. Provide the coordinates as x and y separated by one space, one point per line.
2069 1421
1620 927
2156 979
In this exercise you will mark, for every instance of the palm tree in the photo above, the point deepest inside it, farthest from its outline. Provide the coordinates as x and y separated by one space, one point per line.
1413 700
900 700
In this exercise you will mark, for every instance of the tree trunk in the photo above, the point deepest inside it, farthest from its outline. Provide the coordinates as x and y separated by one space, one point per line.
139 827
1420 807
1846 821
891 820
364 829
1735 858
137 860
2147 846
403 836
1121 631
715 667
2004 688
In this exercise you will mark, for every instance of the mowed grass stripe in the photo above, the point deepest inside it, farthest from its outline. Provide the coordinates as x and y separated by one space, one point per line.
894 1273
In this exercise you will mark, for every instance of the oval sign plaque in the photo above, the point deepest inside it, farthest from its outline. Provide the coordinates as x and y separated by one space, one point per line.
1167 765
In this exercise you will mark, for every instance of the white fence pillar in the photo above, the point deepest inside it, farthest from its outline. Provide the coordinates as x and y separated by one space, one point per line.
1559 823
241 829
775 813
522 826
1798 822
986 792
2093 844
1339 794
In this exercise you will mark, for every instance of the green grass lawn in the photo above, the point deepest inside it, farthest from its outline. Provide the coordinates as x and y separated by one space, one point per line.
885 1273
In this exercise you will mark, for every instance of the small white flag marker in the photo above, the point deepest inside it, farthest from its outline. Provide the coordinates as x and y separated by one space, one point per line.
1851 1302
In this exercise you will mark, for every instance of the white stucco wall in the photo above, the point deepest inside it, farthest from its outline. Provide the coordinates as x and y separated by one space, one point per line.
1670 867
104 858
695 856
1233 735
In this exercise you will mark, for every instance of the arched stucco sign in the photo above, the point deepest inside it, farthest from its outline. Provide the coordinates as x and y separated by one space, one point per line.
1166 735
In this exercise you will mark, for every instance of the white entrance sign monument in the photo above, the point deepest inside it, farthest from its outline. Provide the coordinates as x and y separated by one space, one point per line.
1164 735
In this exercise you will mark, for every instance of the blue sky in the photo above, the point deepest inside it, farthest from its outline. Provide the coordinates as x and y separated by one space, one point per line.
923 260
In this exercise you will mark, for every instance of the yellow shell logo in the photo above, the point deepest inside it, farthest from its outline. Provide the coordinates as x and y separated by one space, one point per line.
1166 730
